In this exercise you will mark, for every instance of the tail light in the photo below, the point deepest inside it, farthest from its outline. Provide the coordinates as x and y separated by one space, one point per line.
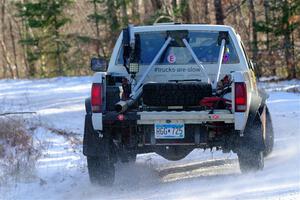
240 97
96 98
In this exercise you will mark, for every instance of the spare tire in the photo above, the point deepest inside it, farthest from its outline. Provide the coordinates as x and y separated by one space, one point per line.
175 94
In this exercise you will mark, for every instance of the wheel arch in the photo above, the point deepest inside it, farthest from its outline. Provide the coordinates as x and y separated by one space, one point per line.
256 110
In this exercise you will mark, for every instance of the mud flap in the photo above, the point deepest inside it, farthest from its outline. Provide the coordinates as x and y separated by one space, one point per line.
253 133
93 144
253 138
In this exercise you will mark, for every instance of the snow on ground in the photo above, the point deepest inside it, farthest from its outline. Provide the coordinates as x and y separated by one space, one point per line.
62 174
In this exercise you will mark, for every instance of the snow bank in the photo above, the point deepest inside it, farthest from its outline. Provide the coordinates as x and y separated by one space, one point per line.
18 154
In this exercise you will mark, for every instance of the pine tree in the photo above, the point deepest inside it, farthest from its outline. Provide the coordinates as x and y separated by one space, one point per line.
107 17
96 18
281 25
46 45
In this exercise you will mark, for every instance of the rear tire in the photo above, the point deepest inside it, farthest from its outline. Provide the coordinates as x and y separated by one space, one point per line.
269 140
251 152
251 160
101 171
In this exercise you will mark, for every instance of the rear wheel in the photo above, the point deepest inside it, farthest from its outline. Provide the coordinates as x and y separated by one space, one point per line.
251 152
100 155
251 160
101 171
269 139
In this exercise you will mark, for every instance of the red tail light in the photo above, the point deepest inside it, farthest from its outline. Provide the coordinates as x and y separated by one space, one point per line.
96 98
240 97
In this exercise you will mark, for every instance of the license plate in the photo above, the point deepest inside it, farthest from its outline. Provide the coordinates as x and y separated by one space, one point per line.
169 131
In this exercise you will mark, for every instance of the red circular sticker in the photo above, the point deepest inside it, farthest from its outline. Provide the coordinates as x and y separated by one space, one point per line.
215 116
171 58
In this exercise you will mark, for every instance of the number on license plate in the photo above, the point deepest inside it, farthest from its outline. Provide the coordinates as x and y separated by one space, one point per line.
169 131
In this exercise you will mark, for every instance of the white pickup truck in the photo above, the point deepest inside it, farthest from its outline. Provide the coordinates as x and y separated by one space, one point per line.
171 88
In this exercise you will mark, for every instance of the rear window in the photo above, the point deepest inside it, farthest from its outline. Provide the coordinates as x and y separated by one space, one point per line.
204 44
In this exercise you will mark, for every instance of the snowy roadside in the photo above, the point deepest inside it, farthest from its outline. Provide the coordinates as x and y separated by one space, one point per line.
292 86
61 171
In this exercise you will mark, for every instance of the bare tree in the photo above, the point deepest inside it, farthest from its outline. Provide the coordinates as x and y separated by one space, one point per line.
156 4
267 13
5 51
13 44
254 32
135 12
206 12
219 12
124 14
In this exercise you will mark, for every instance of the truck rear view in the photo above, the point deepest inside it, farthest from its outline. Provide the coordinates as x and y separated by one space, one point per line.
170 89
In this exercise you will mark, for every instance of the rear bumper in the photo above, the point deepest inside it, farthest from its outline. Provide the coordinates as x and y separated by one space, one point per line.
139 126
152 117
186 117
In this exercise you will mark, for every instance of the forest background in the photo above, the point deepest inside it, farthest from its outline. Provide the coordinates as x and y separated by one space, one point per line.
48 38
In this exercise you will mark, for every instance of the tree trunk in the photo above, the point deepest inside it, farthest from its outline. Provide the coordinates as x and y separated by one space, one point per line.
206 12
28 50
113 21
7 58
288 56
12 37
287 41
185 12
267 13
254 33
135 12
267 21
156 4
174 8
60 70
219 12
4 72
5 52
124 13
21 30
97 28
243 22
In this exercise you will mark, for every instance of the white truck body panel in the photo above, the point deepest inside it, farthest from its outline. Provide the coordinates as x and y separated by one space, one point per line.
97 117
187 117
240 73
157 76
97 121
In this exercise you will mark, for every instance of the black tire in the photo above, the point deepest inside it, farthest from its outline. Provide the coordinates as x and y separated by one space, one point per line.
251 160
100 155
101 171
269 138
250 153
175 94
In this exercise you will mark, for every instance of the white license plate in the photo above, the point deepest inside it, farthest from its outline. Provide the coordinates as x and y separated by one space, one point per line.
169 131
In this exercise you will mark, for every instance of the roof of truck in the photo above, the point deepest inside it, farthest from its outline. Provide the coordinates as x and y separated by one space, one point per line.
172 26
